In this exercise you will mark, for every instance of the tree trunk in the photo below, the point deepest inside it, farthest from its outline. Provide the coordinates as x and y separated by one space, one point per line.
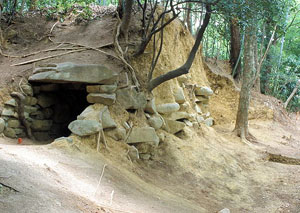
22 6
292 94
189 18
241 125
235 47
126 18
184 69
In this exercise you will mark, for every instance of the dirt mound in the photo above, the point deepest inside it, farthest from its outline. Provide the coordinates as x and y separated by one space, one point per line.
224 103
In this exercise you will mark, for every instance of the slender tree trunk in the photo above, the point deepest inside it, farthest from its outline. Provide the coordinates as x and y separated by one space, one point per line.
22 6
257 80
126 18
235 47
241 125
189 18
292 94
184 69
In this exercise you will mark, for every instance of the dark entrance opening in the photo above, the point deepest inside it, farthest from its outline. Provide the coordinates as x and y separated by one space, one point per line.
58 105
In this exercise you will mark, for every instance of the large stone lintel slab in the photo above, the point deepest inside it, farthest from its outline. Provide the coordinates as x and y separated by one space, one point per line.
74 73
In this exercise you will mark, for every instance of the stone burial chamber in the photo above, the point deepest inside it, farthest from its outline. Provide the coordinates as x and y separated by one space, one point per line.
55 95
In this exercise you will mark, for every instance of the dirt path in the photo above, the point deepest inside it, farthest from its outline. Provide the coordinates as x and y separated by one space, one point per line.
50 180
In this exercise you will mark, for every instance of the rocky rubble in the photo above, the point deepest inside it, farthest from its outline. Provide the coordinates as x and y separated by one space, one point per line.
48 113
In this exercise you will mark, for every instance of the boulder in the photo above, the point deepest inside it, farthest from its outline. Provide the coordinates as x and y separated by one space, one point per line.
11 102
84 127
174 126
155 121
106 99
45 100
13 123
101 88
129 98
182 79
150 106
179 95
117 134
10 132
74 73
143 135
38 115
167 108
203 90
2 125
41 125
27 89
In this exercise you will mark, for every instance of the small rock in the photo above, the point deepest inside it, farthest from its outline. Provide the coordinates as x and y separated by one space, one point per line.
101 88
36 90
30 109
49 87
224 211
174 126
167 108
145 156
203 90
41 125
155 121
10 132
68 139
2 125
84 127
48 112
30 101
184 106
38 115
179 95
198 109
129 98
201 98
209 121
42 136
200 119
13 123
150 107
117 134
161 137
144 148
27 89
107 99
20 132
143 134
133 153
11 102
107 121
8 112
178 116
188 123
45 100
182 79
